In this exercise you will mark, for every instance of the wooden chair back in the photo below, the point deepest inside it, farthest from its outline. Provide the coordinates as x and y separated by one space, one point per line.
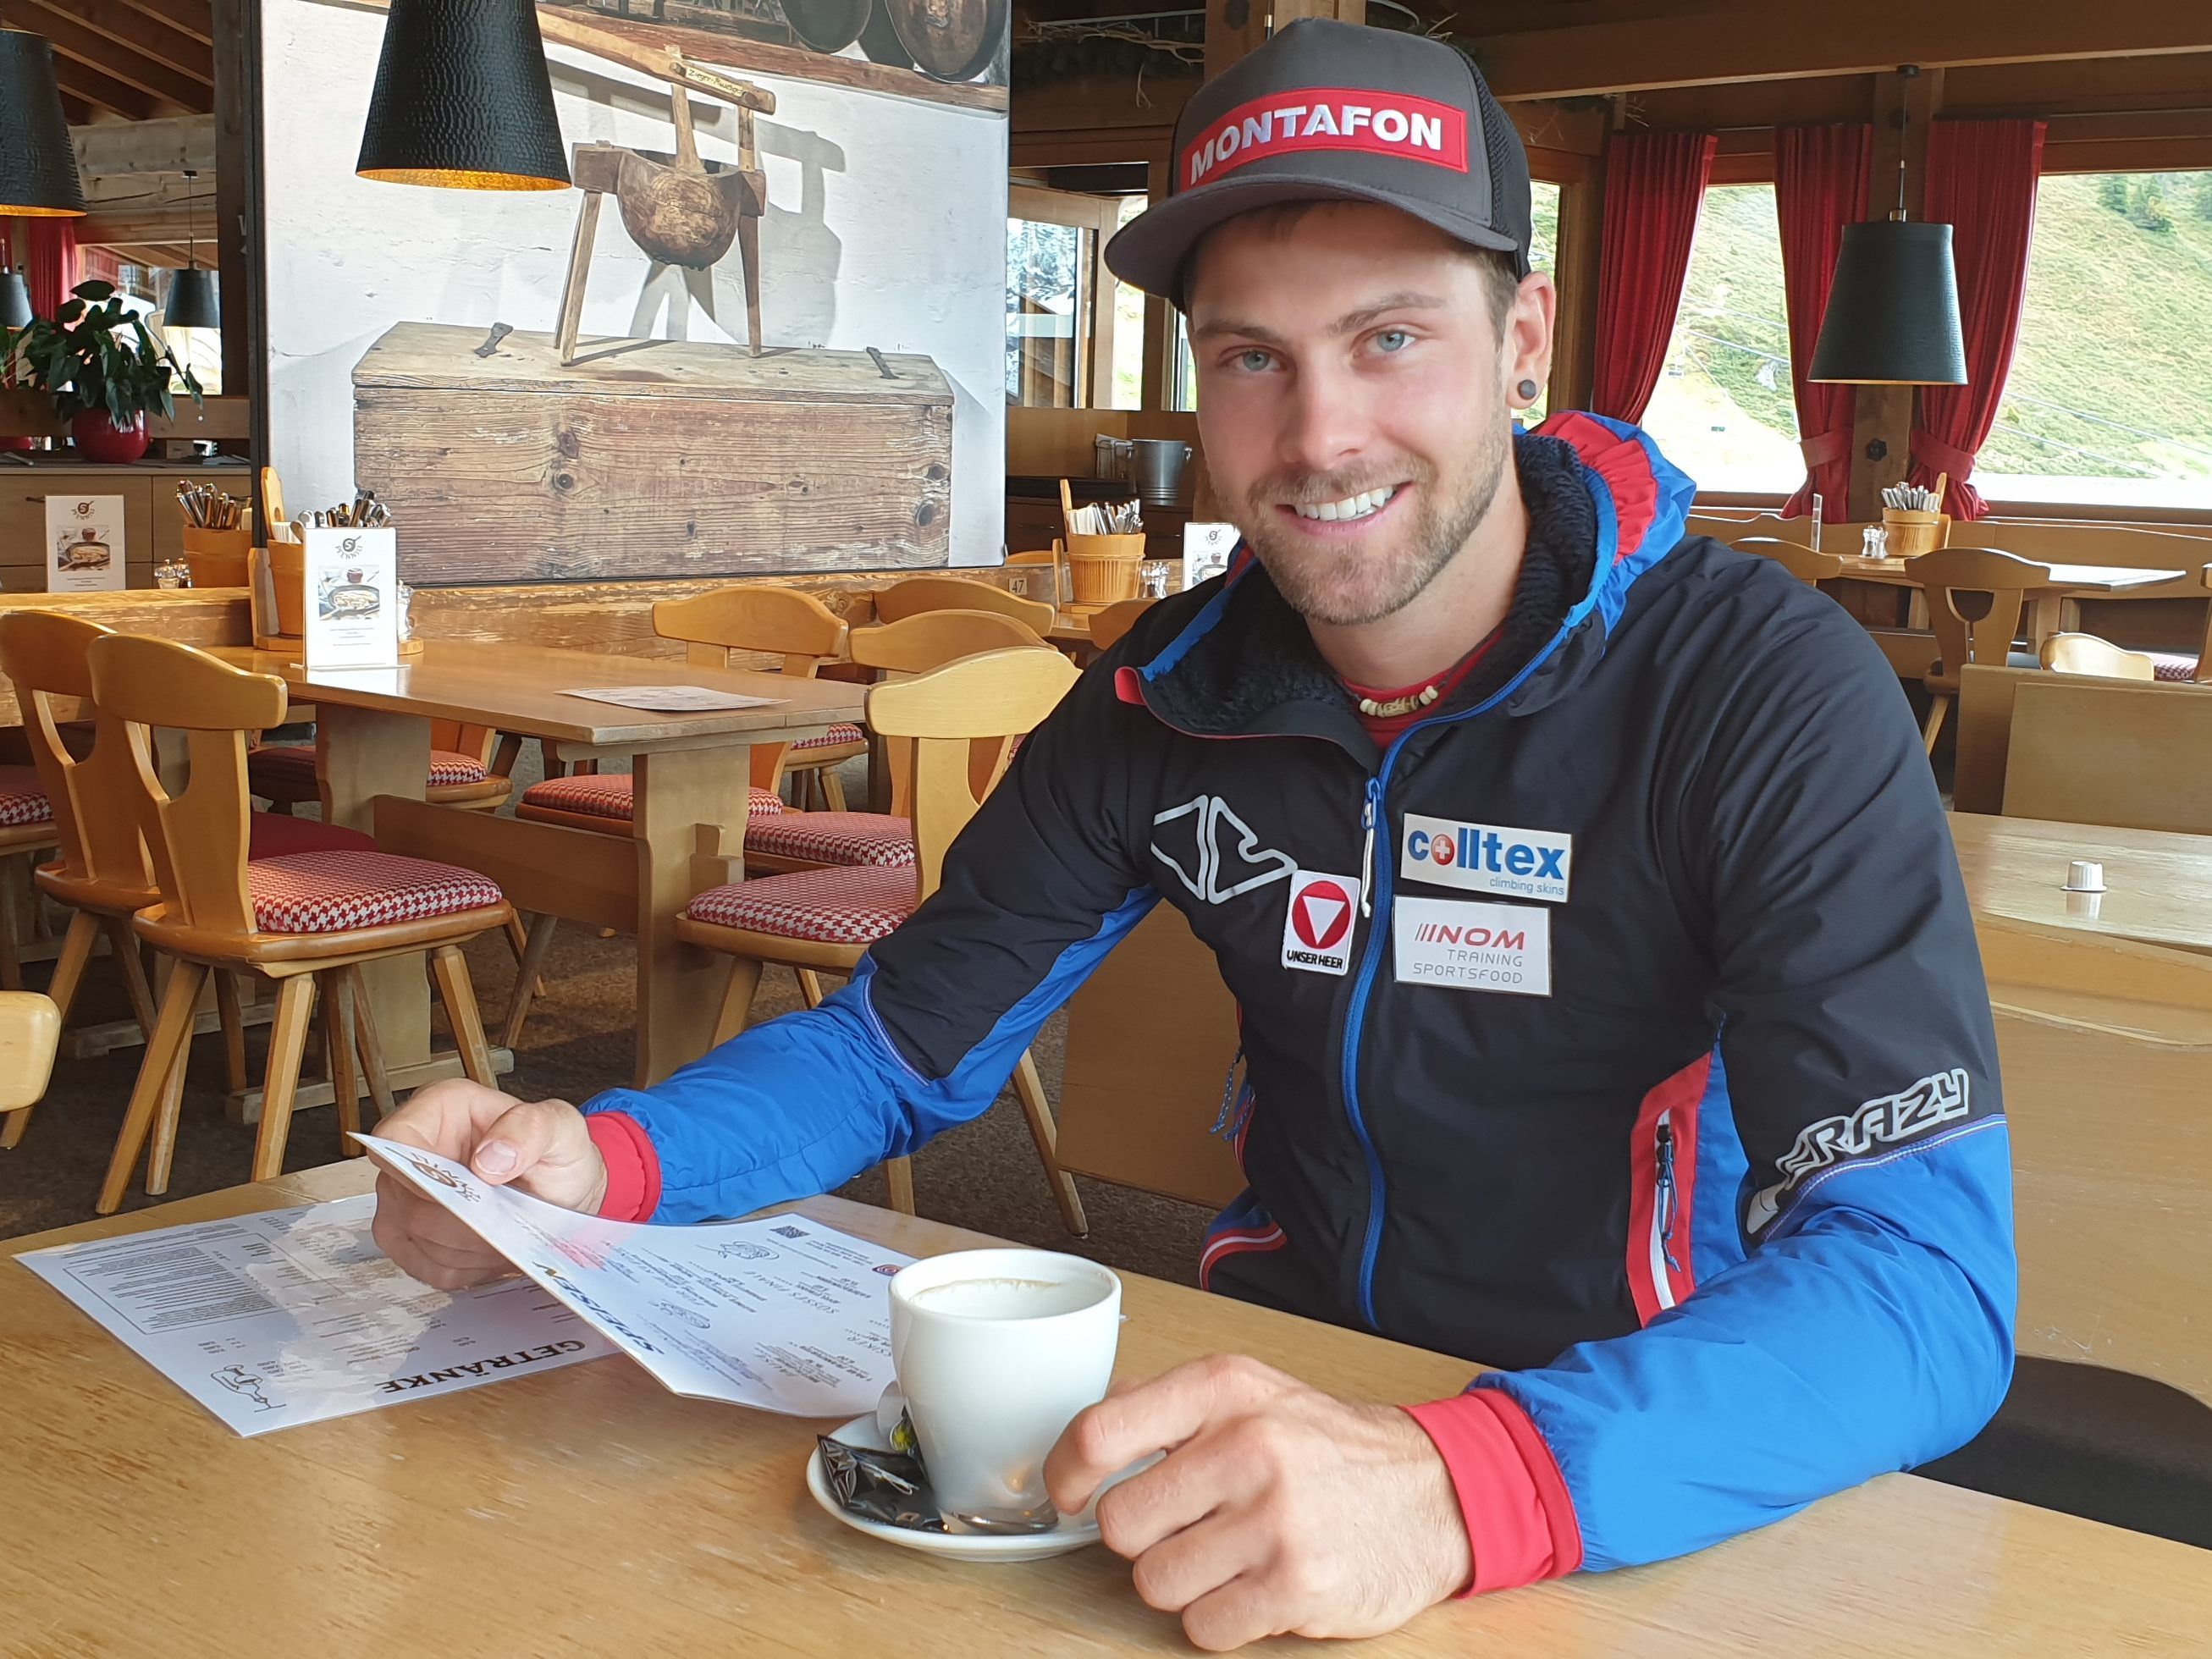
199 833
2085 750
917 594
1975 596
780 622
30 1030
2085 653
921 644
44 654
1985 701
2107 1049
1801 562
1110 626
983 702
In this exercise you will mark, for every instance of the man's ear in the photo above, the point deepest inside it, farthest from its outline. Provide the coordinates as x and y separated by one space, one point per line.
1526 347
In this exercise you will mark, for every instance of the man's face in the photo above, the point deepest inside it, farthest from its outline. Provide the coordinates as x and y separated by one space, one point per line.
1352 400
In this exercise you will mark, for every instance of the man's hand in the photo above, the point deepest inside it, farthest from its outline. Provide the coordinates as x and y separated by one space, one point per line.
540 1146
1278 1509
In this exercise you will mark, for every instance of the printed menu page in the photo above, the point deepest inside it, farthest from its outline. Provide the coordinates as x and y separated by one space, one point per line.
671 699
86 545
353 584
294 1315
781 1313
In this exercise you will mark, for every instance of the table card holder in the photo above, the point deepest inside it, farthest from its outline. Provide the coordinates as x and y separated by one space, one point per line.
85 548
352 594
1206 549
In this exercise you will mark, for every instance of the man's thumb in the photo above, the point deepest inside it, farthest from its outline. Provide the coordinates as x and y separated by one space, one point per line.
519 1138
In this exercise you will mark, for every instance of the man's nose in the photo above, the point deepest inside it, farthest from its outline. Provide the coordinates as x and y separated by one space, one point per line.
1328 423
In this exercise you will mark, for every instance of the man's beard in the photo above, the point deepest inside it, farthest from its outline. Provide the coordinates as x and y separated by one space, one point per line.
1348 586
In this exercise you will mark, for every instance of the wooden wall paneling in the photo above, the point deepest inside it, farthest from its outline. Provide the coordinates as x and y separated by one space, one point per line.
2110 751
2173 80
1885 412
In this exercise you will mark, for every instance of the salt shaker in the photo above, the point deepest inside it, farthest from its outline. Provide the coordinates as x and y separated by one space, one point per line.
1873 543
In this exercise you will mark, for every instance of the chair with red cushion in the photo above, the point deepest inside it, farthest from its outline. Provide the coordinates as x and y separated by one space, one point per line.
468 769
300 919
823 920
26 830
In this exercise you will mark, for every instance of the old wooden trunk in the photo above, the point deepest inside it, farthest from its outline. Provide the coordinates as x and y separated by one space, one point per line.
661 457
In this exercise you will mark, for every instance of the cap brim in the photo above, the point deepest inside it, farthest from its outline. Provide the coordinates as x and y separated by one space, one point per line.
1152 250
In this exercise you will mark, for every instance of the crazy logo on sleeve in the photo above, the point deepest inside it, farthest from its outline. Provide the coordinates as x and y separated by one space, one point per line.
1908 1115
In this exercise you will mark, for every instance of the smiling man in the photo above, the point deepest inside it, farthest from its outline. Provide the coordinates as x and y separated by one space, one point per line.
1611 1010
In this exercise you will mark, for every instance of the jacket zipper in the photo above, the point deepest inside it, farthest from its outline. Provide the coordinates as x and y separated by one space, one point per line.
1663 1212
1372 817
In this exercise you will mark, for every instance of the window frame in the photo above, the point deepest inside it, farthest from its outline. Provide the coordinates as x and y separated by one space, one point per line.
1095 217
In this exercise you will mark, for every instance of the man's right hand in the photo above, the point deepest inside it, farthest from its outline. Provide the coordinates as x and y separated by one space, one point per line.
540 1147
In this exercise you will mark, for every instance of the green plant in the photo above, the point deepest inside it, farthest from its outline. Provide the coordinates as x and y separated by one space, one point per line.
95 353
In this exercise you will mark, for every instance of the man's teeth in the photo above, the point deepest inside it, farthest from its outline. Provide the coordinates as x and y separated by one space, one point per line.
1353 507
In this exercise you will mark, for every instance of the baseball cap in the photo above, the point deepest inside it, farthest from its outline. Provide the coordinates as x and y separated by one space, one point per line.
1336 112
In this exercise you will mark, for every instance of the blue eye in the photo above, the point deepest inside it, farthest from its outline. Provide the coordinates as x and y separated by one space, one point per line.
1253 360
1393 340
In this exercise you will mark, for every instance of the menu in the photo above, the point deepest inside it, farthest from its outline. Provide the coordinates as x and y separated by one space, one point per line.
780 1313
353 584
671 699
85 547
294 1315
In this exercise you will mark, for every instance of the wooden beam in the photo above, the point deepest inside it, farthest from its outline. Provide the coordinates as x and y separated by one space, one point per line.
1768 42
162 221
1574 338
2130 156
74 40
2181 81
137 35
193 17
171 145
1233 28
241 215
101 91
76 111
33 413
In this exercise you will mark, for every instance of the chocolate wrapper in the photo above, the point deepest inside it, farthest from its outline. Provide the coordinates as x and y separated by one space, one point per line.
890 1487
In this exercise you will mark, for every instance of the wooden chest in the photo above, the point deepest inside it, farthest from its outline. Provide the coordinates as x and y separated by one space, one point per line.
661 457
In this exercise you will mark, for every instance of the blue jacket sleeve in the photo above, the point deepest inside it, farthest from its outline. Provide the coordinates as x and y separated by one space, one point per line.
1852 1222
1036 890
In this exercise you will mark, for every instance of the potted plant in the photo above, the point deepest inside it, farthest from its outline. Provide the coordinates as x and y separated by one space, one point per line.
95 359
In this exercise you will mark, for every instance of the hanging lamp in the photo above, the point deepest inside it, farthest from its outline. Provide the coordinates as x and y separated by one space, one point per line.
15 300
192 299
463 99
37 164
1893 316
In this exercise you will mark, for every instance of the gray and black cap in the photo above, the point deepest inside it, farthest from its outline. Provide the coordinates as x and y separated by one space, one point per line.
1336 112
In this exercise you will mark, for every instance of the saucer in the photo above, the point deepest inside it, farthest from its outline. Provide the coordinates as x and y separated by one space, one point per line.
1074 1532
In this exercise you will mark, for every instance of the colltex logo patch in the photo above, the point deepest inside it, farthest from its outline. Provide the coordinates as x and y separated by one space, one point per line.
1486 858
1318 927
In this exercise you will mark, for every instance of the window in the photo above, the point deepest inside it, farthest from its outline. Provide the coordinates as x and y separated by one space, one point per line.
1723 410
1063 308
2106 402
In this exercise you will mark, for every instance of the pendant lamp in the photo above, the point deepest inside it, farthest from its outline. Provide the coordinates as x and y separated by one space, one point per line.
463 99
15 301
1893 316
192 300
37 164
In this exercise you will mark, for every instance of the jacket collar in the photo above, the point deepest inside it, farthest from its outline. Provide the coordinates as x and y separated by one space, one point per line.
1603 506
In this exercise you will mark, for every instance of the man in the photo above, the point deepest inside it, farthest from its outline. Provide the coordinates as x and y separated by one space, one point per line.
1611 1010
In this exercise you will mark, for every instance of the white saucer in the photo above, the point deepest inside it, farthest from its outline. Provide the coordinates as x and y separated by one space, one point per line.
1074 1532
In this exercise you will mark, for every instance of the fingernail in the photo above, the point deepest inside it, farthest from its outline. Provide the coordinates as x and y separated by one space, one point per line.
495 1159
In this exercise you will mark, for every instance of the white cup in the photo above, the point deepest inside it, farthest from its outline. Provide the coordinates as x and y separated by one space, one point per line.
996 1351
2085 876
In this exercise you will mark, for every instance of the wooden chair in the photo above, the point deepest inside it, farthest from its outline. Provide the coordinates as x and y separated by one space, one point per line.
300 919
1975 597
2092 750
1110 626
30 1030
469 768
1801 562
26 830
823 920
2106 1050
2085 653
916 594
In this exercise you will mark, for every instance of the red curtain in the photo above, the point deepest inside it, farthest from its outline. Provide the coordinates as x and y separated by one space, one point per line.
1820 186
1654 185
1982 177
47 256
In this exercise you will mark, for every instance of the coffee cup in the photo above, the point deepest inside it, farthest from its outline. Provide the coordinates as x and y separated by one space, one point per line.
996 1351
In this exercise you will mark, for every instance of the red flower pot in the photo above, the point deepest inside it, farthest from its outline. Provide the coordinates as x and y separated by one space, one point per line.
99 439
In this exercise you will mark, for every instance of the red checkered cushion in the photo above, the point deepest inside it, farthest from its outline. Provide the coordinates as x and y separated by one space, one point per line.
831 907
23 797
330 892
294 763
607 796
838 737
2173 665
272 836
841 838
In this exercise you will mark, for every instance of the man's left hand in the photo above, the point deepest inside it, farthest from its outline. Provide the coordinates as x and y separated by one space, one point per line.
1276 1509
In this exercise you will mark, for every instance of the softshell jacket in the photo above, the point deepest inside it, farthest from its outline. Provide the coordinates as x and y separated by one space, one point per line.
1621 1027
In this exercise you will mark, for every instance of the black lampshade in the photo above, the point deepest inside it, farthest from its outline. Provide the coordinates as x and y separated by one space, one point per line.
193 301
1893 313
15 300
462 100
37 164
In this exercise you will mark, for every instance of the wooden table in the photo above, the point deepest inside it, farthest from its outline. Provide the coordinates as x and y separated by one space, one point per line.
589 1511
373 735
2159 884
2050 607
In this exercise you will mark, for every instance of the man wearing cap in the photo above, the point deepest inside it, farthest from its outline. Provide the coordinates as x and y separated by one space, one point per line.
1611 1012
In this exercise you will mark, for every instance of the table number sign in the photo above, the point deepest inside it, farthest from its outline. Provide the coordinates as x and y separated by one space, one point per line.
352 598
84 543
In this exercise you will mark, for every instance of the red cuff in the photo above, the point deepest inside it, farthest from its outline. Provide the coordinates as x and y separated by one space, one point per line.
1519 1520
633 1167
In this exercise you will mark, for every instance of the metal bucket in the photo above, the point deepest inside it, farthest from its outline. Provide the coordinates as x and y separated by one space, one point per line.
1156 467
1112 462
